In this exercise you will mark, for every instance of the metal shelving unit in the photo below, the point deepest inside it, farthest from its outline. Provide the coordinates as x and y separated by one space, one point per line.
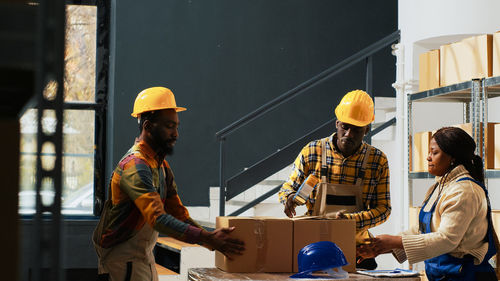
474 95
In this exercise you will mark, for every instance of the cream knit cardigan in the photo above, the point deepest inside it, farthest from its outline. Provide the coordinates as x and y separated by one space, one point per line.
458 225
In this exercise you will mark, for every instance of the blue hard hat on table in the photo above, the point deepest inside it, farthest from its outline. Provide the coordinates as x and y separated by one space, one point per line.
320 256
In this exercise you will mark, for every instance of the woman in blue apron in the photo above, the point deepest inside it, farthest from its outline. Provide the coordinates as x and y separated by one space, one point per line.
455 236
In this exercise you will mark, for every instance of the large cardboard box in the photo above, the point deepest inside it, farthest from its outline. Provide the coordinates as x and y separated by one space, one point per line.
428 70
496 54
420 151
489 141
268 244
465 60
341 232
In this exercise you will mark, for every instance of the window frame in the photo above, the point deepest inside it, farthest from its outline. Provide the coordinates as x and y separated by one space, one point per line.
101 97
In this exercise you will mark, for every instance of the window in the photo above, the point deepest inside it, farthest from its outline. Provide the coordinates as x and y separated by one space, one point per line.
81 122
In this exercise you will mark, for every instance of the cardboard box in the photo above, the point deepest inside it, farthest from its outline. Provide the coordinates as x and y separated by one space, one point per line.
428 70
495 218
489 142
268 244
341 232
413 216
420 151
496 54
496 147
465 60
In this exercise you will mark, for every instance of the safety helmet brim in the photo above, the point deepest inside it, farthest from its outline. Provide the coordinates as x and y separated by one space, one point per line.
308 274
357 123
177 109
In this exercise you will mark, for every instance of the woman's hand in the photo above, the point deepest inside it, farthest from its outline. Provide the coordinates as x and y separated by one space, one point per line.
379 245
365 252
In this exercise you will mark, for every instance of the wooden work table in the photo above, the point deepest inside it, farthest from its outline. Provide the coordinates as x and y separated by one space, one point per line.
213 274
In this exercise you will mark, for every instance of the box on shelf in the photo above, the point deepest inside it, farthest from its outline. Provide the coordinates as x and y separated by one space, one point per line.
341 232
268 244
495 218
428 70
413 216
489 142
496 147
496 54
467 59
420 151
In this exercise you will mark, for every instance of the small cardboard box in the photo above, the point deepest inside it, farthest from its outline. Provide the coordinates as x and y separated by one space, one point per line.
496 147
489 142
428 70
268 244
413 216
465 60
495 218
341 232
496 54
420 151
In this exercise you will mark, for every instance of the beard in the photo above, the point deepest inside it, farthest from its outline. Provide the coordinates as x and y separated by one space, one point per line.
164 146
168 149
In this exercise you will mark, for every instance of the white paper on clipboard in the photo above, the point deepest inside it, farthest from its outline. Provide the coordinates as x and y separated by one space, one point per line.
398 272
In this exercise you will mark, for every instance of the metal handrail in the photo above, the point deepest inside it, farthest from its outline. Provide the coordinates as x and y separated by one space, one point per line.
381 127
273 191
348 62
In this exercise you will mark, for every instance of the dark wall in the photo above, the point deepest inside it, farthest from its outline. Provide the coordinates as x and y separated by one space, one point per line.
225 58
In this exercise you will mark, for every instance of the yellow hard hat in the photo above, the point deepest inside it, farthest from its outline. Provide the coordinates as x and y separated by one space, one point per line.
356 108
155 98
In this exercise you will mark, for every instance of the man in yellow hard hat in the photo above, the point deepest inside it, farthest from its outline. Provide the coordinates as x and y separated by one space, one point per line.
352 176
143 200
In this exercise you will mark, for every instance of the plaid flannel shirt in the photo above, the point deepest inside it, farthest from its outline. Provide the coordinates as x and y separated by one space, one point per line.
142 191
342 170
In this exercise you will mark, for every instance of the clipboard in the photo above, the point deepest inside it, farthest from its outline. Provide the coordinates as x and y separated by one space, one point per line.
398 272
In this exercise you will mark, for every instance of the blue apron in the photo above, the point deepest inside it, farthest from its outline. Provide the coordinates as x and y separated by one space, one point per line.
447 267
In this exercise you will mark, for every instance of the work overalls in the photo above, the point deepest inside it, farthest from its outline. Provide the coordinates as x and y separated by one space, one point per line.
348 198
447 267
132 260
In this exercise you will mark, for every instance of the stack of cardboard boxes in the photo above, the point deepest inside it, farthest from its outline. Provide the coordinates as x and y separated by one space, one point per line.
273 244
473 57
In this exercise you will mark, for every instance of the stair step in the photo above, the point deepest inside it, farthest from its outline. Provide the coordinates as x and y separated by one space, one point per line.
164 271
273 183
